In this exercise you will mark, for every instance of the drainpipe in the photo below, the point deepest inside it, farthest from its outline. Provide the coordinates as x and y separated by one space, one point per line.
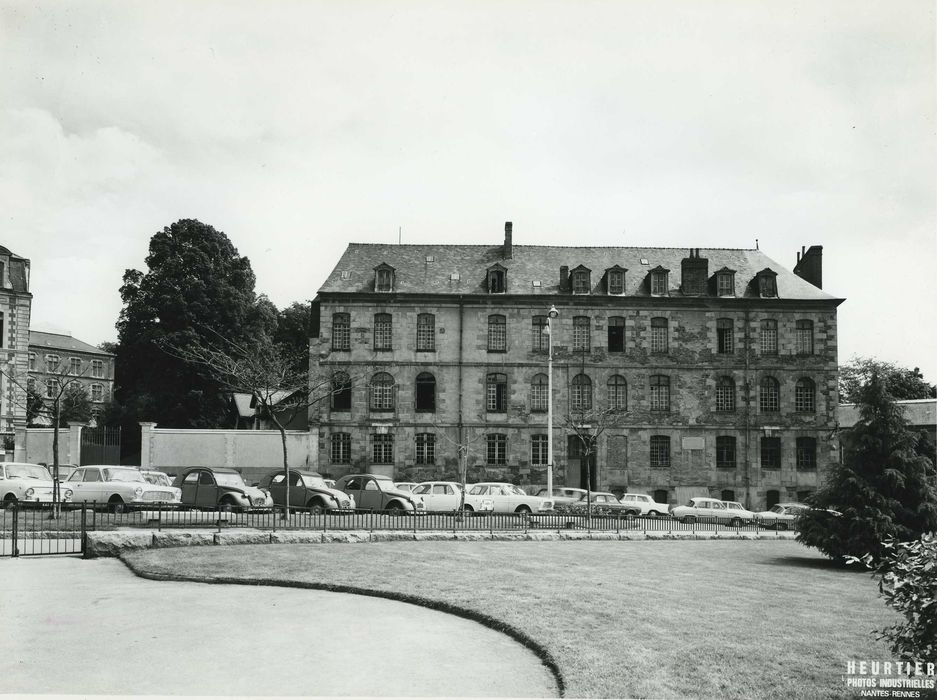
462 447
748 396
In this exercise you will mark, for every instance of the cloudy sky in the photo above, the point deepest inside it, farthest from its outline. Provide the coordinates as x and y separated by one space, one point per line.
297 127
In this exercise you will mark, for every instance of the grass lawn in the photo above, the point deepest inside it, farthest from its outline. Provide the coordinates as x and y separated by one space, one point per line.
659 619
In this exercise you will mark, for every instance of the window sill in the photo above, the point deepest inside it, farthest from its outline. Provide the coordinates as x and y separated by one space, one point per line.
426 349
490 351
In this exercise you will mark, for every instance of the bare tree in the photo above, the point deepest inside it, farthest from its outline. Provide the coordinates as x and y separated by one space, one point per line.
463 448
588 423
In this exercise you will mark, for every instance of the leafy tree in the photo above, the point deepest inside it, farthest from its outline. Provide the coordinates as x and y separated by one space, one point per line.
885 488
195 280
35 406
901 384
292 331
76 405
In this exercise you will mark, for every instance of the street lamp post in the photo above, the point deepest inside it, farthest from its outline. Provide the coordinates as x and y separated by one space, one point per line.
553 313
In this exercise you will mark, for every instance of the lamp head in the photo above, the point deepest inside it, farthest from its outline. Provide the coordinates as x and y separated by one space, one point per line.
553 313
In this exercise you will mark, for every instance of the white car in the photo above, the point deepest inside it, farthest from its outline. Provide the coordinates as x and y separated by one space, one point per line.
158 478
27 484
642 504
563 495
736 509
508 498
117 487
447 495
708 510
781 515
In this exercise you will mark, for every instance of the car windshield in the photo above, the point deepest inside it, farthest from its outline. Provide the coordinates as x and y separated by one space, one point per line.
316 482
515 491
123 475
776 509
27 471
229 479
157 479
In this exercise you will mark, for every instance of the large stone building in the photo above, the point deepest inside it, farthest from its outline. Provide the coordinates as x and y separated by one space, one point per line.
55 357
15 309
719 365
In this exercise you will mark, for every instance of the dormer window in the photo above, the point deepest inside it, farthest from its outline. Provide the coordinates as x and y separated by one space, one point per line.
659 282
582 283
767 283
496 279
725 283
383 278
615 281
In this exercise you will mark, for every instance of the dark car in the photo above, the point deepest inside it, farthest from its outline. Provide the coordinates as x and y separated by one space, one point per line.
307 490
376 492
219 487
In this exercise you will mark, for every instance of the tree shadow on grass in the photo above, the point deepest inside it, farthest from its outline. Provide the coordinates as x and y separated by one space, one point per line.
821 563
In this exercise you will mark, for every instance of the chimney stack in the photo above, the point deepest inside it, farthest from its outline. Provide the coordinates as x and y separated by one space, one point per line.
508 245
564 277
810 265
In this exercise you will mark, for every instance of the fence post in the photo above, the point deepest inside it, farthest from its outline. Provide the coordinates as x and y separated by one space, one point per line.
84 530
16 550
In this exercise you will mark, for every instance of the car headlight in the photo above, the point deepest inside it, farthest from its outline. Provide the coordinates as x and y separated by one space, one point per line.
30 492
138 491
67 494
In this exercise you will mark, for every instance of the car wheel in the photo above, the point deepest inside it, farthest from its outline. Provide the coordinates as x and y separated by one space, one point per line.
9 501
735 522
653 514
632 513
690 519
315 507
468 509
227 504
523 510
395 507
781 526
116 505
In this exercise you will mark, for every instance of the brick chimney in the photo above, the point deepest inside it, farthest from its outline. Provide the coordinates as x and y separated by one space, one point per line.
564 278
508 245
694 272
810 265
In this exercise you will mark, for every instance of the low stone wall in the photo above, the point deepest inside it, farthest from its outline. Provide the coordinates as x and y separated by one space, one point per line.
113 543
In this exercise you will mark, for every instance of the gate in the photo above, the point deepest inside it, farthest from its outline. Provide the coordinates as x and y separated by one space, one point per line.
100 445
33 531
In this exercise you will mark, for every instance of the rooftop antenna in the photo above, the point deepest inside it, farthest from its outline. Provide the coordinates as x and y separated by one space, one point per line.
756 244
399 234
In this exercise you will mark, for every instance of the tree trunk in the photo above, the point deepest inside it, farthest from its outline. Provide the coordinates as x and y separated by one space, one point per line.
286 469
55 459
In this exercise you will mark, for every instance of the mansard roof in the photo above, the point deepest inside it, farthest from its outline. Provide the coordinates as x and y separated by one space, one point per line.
62 342
462 269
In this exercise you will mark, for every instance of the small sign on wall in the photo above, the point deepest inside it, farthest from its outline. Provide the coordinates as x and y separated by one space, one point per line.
693 443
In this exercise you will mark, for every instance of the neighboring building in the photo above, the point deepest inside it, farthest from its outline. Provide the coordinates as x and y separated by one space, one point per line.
15 309
722 365
53 356
921 415
250 414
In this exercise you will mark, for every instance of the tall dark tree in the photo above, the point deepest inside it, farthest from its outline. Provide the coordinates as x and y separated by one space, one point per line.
886 487
901 383
292 332
196 285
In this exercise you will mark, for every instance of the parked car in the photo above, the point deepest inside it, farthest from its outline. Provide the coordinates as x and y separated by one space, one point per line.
220 487
405 485
642 504
601 501
446 496
25 483
736 508
508 498
161 479
708 510
781 516
563 495
65 470
376 492
307 490
118 487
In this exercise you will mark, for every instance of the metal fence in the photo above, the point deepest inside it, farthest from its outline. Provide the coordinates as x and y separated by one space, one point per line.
40 530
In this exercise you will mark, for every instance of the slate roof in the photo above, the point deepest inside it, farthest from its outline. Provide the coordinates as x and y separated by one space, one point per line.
414 275
59 341
921 412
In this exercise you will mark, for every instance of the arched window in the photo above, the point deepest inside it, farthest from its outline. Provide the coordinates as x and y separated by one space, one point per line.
341 392
725 394
425 392
382 392
617 392
539 396
581 393
805 396
769 394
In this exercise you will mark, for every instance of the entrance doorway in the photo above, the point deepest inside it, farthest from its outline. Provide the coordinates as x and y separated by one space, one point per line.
577 473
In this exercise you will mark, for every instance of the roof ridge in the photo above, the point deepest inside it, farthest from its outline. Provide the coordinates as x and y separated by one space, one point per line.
523 245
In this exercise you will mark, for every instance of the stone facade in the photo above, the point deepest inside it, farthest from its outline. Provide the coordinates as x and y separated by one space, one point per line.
15 310
603 343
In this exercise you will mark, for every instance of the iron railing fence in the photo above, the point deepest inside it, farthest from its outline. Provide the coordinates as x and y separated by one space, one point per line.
27 530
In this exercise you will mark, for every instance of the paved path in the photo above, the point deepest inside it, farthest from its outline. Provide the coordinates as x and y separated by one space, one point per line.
77 626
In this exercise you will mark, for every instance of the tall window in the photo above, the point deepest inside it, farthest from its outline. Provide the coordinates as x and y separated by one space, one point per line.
725 336
52 388
804 337
425 392
382 392
581 393
581 283
97 369
340 448
496 393
659 335
383 332
497 452
32 362
725 284
425 448
52 362
616 334
74 365
725 394
767 286
341 331
538 450
660 451
617 392
658 283
581 333
725 452
97 393
616 282
770 453
341 392
495 281
805 396
769 395
382 448
540 339
660 392
806 454
384 280
769 337
497 333
425 332
539 396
